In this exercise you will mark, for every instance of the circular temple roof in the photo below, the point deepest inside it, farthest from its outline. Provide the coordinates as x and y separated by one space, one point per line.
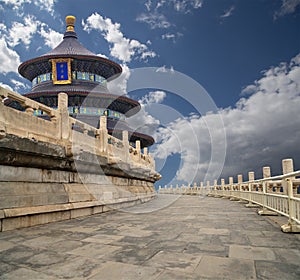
82 92
83 59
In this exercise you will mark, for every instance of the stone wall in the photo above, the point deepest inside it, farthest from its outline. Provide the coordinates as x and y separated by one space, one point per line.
56 174
40 184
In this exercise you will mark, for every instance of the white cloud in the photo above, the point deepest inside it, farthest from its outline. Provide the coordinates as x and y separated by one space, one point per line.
228 12
154 20
183 6
122 48
147 54
248 90
155 17
102 55
47 5
287 7
6 86
9 59
51 37
148 5
119 85
260 130
17 5
143 121
153 97
171 36
18 85
3 27
164 69
22 32
197 4
168 36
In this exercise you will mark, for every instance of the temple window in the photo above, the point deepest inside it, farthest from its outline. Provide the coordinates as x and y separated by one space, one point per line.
76 75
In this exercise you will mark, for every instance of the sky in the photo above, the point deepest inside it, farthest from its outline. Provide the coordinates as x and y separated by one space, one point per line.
218 80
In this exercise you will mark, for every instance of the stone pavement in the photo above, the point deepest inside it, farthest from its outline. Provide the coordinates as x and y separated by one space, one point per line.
190 238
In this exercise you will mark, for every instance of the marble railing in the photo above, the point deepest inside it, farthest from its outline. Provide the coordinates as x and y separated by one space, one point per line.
59 128
277 195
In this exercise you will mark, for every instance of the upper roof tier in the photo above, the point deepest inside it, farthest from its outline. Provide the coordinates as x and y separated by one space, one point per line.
83 59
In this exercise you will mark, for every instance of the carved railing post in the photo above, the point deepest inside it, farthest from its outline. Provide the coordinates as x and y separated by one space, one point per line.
234 189
240 182
240 178
223 187
65 130
291 226
138 149
251 177
202 189
266 174
288 167
103 134
208 187
230 182
125 145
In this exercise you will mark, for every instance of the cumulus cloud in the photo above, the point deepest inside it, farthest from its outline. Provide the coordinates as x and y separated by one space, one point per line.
287 7
15 3
47 5
18 5
18 85
153 97
22 32
143 121
171 36
260 130
121 48
51 37
183 6
9 59
154 20
6 86
119 85
164 69
155 16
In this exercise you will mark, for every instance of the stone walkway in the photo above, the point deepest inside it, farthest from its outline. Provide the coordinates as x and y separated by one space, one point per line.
168 238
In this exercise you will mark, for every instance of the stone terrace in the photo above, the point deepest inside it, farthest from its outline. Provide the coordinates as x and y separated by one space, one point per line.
171 237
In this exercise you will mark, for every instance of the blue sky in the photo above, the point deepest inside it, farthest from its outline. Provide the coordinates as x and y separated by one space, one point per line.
244 53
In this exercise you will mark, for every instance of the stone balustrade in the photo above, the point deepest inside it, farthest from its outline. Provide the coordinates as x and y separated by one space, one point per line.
56 167
59 128
275 195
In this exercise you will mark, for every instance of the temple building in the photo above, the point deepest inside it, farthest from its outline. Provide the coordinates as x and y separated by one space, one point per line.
66 150
83 75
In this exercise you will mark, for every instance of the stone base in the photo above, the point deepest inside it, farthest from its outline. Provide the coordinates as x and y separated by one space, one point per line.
32 216
40 183
234 199
290 228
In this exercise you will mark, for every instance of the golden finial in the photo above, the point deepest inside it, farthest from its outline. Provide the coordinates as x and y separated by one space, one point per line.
70 21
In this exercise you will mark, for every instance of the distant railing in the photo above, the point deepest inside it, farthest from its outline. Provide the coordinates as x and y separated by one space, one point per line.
74 135
275 195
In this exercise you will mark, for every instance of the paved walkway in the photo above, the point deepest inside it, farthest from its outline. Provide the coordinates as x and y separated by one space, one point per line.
191 238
